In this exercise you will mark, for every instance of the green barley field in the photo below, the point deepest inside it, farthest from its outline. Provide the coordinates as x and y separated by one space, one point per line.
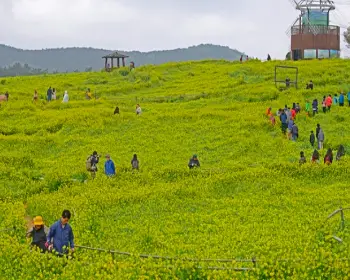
249 203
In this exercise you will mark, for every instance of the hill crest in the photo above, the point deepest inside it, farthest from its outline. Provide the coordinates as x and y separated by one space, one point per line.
80 59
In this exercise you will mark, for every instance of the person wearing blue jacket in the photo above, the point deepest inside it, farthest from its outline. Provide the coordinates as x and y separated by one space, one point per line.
62 234
341 99
109 166
349 98
284 122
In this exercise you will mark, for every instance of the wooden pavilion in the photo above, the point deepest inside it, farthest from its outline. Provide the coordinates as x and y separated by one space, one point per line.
112 56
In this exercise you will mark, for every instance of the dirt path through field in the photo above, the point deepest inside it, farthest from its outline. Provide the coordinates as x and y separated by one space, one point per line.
27 218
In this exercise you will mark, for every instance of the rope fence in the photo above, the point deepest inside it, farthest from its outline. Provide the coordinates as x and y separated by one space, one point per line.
165 257
253 260
7 229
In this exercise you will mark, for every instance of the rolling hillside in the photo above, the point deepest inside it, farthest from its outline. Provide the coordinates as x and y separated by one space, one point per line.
71 59
249 212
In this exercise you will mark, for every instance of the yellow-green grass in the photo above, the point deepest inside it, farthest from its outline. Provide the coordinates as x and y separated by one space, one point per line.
250 198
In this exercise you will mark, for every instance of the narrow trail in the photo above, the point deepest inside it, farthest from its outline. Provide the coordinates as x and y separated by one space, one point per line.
27 218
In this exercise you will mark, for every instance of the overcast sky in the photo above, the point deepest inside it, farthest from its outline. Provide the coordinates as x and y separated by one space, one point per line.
255 27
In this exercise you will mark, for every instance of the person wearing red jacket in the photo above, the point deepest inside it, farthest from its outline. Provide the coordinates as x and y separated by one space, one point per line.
329 102
294 113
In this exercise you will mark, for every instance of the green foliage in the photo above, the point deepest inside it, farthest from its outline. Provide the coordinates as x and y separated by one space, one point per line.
250 198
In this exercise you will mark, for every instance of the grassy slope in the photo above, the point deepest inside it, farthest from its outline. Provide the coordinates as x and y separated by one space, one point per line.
250 198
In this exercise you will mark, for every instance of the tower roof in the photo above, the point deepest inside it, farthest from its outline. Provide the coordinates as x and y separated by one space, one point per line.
323 5
115 55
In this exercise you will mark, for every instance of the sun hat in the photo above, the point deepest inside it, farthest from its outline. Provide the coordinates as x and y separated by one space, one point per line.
38 221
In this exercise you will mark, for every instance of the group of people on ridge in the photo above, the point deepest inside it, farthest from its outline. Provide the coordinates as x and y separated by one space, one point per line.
51 94
287 118
110 169
109 166
328 158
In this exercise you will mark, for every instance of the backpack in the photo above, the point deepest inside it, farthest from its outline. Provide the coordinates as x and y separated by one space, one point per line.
88 163
135 164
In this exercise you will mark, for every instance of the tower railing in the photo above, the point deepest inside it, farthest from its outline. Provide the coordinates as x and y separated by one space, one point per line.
315 29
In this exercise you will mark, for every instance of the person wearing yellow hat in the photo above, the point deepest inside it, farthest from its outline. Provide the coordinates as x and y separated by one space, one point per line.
38 233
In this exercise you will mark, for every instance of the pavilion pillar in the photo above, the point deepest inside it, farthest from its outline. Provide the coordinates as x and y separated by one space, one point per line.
106 61
118 62
112 63
123 59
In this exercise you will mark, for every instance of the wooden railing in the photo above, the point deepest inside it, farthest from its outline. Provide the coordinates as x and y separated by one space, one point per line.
315 29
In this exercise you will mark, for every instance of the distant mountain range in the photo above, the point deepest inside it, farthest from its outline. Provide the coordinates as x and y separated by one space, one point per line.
87 59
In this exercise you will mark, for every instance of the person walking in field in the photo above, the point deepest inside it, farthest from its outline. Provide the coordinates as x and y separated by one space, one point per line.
307 107
88 95
293 113
335 99
194 162
324 105
49 94
109 166
295 132
328 159
349 98
287 82
61 234
91 163
138 109
54 96
38 233
284 122
288 113
268 111
318 127
340 152
65 97
310 85
3 97
341 99
302 159
320 139
315 158
135 162
314 107
312 139
35 96
329 103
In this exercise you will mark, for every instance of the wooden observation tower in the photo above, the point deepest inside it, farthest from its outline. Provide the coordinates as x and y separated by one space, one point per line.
312 35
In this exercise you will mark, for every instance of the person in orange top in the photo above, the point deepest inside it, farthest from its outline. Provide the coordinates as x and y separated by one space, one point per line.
268 111
329 102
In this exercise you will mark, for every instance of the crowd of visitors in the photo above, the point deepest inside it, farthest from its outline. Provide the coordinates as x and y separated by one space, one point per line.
288 115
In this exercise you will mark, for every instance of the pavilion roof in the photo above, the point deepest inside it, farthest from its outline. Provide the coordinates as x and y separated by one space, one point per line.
115 55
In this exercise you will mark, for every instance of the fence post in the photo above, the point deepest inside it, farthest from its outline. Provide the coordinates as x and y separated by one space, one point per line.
342 218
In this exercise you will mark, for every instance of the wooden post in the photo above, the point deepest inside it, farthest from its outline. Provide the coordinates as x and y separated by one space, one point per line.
106 60
112 63
123 59
342 218
118 63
